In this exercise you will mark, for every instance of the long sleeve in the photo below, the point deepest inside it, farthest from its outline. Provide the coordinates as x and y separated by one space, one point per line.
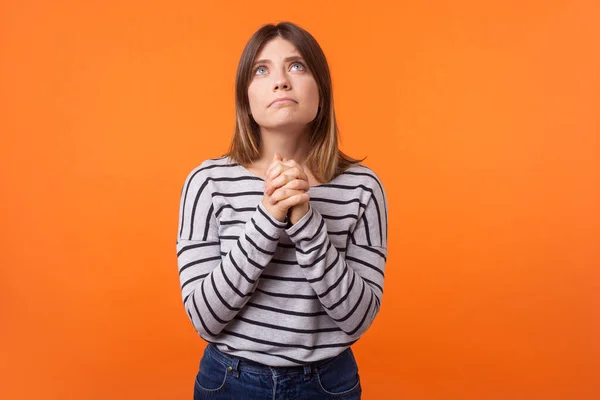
350 288
214 287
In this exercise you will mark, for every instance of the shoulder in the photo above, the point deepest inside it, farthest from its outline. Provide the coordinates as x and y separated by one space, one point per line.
208 169
367 178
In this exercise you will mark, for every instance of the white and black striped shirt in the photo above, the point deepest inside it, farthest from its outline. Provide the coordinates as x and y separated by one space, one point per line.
273 292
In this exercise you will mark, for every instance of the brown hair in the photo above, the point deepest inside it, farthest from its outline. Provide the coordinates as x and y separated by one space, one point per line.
325 159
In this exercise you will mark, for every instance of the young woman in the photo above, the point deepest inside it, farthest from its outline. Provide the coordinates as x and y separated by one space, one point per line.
282 242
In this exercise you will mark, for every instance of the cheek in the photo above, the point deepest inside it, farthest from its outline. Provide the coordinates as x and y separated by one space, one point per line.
253 97
312 92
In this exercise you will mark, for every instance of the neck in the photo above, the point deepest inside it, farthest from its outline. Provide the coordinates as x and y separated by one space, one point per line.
289 143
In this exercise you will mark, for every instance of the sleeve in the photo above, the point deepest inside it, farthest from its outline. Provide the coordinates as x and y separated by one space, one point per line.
349 289
215 288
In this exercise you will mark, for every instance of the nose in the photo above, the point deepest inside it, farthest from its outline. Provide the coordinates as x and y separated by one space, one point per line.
281 82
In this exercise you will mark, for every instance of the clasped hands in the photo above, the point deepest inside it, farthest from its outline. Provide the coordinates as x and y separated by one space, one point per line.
286 190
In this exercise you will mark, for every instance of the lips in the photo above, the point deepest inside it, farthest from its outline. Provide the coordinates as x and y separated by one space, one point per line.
282 99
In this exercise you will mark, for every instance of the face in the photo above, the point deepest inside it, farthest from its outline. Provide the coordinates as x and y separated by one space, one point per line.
280 71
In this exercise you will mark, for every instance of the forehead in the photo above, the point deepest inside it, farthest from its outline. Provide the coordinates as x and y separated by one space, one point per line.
277 49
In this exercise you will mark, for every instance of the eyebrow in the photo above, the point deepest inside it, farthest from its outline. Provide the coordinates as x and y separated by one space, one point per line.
292 58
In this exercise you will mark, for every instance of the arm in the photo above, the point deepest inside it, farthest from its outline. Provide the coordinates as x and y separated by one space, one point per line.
214 288
350 290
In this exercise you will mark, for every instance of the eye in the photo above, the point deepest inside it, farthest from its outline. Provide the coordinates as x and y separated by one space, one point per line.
264 66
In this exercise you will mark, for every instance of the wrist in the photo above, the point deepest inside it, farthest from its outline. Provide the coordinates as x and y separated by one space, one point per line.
277 216
298 212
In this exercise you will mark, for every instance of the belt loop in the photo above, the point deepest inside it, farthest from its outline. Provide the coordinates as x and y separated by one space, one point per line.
307 371
234 368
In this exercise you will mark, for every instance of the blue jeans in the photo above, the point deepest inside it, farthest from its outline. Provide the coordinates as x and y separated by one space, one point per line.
222 376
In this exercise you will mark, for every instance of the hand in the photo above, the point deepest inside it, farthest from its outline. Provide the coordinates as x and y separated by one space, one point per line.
298 211
281 196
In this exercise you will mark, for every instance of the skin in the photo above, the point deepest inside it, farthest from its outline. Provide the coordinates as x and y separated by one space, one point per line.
283 127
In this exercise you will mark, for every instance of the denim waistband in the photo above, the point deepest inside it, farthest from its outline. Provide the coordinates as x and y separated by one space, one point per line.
244 364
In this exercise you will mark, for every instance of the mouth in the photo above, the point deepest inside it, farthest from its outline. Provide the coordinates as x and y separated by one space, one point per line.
283 100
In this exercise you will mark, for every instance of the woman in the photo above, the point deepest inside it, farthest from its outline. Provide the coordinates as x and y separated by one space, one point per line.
282 242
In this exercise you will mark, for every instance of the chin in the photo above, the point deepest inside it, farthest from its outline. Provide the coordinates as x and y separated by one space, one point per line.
284 122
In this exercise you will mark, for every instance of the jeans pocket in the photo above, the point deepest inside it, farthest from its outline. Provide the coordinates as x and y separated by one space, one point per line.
339 377
212 374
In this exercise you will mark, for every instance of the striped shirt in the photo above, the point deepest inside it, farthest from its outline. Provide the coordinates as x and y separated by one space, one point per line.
273 292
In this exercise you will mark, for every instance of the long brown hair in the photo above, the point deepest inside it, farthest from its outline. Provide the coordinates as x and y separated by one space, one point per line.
325 159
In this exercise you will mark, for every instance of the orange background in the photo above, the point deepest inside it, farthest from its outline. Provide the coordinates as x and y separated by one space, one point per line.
480 118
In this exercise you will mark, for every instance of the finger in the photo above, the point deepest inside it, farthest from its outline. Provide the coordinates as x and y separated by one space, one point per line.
269 175
276 158
290 189
282 195
276 171
295 200
298 184
296 173
272 165
293 163
285 177
269 168
294 184
279 195
290 161
282 179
